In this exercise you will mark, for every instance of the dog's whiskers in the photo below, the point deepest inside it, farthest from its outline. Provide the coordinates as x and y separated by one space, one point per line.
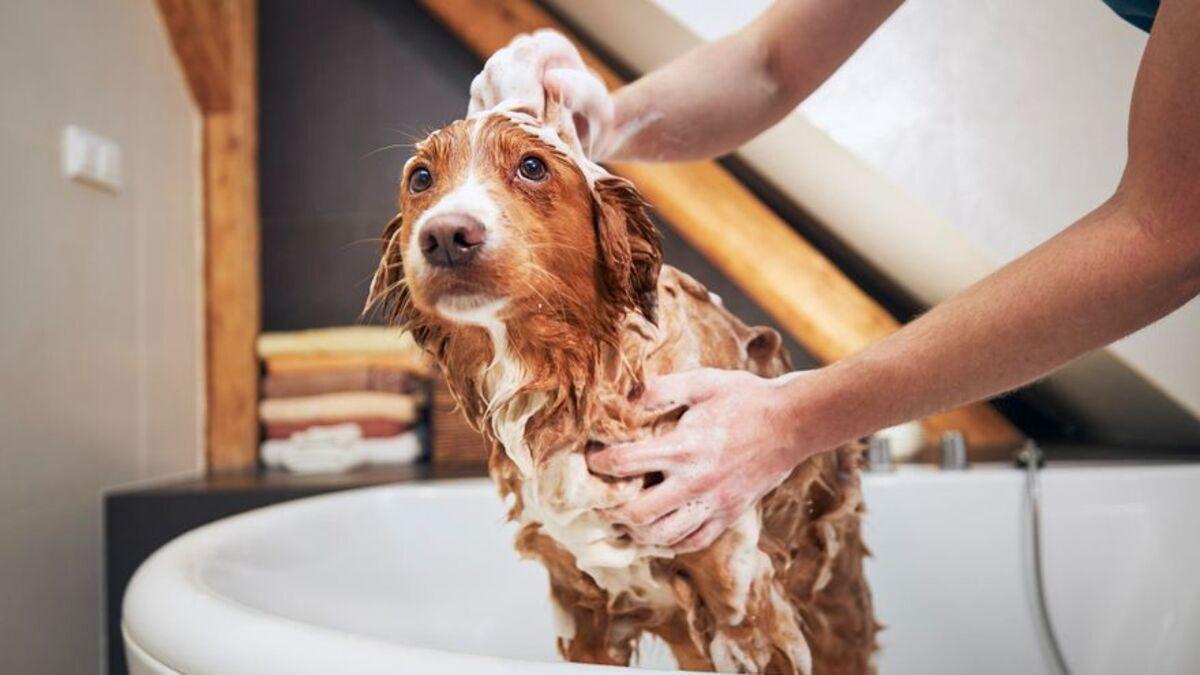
384 148
559 247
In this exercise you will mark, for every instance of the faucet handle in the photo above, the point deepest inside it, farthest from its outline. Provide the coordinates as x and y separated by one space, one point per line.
954 451
1029 453
879 454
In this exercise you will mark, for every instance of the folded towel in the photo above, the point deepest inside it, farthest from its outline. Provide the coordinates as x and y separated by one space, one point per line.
338 448
332 449
322 362
368 428
380 339
402 449
341 406
361 378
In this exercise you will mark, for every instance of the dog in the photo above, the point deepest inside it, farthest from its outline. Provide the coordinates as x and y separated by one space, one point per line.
535 279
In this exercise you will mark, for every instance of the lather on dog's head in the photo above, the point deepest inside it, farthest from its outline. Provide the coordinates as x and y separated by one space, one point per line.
504 224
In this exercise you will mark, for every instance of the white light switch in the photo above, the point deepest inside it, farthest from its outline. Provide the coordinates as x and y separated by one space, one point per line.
91 159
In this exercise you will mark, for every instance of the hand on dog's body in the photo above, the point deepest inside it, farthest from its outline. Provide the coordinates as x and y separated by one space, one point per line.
733 445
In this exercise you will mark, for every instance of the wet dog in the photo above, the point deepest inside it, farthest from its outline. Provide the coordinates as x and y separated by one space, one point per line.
535 279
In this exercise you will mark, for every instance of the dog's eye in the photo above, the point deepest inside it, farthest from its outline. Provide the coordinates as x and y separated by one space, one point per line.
420 180
532 168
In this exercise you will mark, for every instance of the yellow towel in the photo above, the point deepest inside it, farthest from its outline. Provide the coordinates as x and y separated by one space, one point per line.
354 339
279 364
342 406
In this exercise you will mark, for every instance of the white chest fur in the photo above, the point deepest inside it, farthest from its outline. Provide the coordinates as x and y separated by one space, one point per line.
563 498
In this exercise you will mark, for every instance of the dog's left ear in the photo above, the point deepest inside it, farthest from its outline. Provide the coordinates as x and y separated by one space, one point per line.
387 286
630 245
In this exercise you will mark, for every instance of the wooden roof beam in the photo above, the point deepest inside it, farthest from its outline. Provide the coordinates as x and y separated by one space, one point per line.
199 31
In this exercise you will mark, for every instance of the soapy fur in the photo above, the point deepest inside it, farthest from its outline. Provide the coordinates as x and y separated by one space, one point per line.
544 372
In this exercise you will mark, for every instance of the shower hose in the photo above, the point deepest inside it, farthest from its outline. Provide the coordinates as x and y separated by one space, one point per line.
1031 457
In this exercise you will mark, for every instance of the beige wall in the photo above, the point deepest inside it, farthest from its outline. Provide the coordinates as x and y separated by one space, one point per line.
99 308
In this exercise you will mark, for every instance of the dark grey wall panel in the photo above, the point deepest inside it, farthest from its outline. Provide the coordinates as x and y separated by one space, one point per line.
345 86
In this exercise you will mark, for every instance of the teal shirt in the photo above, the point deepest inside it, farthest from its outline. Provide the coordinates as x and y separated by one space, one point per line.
1137 12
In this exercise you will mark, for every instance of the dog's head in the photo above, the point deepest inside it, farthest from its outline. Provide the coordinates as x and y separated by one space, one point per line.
502 221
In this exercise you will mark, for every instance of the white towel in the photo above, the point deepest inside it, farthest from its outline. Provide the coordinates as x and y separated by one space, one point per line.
338 448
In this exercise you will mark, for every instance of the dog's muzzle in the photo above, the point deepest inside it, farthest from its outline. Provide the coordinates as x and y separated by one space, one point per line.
451 240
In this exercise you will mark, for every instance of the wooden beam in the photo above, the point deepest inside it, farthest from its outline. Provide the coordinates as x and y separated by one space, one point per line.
216 43
199 33
808 295
787 276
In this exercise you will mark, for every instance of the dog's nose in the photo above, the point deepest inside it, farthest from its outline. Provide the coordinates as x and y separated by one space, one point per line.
451 240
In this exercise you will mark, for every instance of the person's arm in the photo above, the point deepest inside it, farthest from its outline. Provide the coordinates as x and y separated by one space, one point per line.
705 103
713 99
1127 263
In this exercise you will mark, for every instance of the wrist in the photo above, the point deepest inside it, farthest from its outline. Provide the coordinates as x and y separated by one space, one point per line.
826 408
623 138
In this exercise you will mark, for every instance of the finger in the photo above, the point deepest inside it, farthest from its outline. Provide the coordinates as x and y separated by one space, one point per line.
650 505
561 120
511 78
578 90
585 95
477 94
676 389
701 539
493 84
519 87
633 459
674 526
528 57
556 49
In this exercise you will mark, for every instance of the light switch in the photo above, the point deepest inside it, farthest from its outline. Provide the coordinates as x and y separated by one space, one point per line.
90 158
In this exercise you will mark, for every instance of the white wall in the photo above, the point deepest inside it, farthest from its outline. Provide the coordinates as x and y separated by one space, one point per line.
958 137
100 373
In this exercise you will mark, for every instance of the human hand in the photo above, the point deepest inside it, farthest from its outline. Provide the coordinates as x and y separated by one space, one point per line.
540 66
734 444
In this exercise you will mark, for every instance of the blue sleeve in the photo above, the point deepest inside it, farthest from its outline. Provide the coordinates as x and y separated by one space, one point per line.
1137 12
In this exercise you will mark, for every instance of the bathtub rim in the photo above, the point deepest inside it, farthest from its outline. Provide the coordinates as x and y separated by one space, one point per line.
169 580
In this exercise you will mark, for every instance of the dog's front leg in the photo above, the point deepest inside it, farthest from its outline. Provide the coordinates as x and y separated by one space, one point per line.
587 631
594 636
753 627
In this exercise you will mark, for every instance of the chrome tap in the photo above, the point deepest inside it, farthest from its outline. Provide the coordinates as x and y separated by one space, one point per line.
879 454
954 451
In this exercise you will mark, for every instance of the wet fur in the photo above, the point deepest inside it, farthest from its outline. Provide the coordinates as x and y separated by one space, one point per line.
600 315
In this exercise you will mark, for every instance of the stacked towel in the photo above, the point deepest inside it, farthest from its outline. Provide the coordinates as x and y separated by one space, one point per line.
335 397
376 413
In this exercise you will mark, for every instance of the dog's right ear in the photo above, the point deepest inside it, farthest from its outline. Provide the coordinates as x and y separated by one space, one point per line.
630 245
388 289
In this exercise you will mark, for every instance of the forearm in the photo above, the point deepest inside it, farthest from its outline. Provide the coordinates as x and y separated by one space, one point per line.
1111 273
1129 262
718 96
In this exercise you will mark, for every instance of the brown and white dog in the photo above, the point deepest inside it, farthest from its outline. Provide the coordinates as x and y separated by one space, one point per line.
534 278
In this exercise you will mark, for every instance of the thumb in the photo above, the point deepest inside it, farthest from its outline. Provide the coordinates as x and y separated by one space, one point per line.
670 391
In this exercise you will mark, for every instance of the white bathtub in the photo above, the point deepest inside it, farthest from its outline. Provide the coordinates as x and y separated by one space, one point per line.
422 579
